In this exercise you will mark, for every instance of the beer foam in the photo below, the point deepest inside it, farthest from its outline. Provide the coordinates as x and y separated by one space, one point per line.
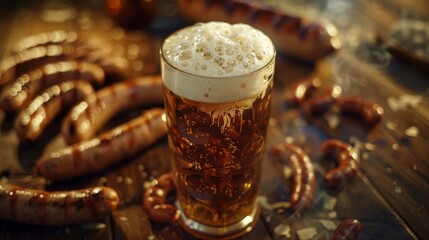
209 54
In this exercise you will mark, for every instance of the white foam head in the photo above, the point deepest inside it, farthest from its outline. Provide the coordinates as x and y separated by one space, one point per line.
218 62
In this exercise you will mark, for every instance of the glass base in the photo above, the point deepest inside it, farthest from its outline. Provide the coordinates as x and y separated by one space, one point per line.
209 232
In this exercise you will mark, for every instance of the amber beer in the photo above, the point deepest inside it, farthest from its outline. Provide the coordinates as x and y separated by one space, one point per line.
217 87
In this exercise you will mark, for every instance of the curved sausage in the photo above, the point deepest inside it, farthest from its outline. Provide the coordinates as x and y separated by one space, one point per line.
293 35
18 95
109 148
371 113
348 163
89 116
304 179
31 122
319 105
41 207
154 200
348 229
113 65
302 90
46 38
19 63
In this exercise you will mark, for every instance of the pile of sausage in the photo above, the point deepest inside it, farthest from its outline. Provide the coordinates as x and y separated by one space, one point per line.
52 72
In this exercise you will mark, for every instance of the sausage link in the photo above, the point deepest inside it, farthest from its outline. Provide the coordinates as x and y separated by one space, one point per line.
18 95
304 179
154 200
293 35
40 207
90 115
46 38
109 148
31 122
348 229
321 104
302 90
348 163
19 63
371 113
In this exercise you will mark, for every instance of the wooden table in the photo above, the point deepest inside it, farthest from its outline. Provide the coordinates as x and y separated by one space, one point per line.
390 195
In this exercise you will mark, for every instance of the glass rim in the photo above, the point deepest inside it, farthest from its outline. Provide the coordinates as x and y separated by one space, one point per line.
219 77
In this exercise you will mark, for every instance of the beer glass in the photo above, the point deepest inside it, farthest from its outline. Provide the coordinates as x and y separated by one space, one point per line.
217 81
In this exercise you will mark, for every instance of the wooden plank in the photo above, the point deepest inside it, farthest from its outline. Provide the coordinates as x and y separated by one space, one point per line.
395 163
359 199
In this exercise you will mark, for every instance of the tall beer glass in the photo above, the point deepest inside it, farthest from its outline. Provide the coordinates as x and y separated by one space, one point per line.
217 81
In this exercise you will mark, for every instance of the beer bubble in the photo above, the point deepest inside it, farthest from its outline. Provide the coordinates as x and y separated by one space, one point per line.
229 51
259 56
228 69
185 55
219 49
245 49
231 63
243 85
207 55
203 67
201 47
197 66
184 45
226 32
239 57
219 61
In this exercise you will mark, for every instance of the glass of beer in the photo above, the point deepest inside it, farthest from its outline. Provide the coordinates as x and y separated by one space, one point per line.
217 81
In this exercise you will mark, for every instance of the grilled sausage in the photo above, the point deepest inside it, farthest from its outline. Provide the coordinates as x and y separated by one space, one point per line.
348 163
31 122
41 207
18 95
301 91
46 38
371 113
101 152
17 64
320 104
304 179
89 116
154 200
348 229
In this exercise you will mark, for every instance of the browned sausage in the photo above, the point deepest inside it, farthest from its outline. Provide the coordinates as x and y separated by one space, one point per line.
17 96
16 64
89 116
304 179
348 163
348 229
293 35
299 92
101 152
319 105
371 113
31 122
40 207
46 38
154 200
113 65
